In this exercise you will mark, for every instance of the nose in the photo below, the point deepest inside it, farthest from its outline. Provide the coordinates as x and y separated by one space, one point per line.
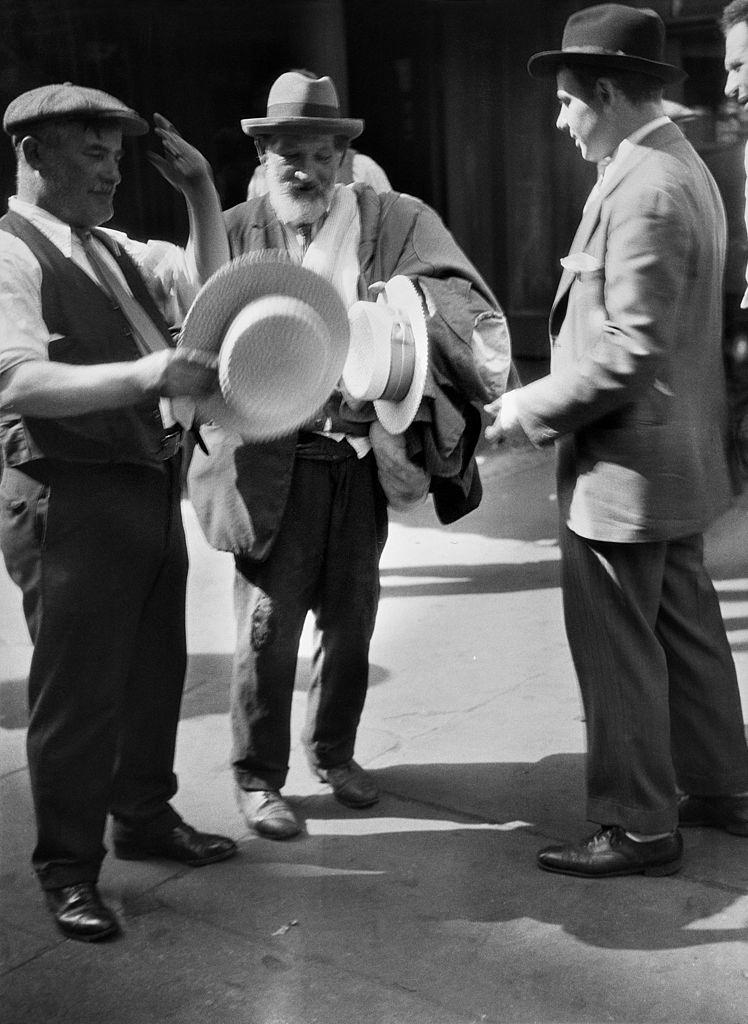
731 86
561 120
305 169
110 171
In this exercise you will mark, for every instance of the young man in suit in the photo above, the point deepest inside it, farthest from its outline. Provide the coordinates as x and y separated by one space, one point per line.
635 403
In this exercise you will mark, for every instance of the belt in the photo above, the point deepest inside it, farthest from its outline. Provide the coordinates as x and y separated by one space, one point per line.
337 425
316 446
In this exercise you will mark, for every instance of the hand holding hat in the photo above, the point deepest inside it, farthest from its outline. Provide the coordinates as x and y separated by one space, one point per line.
389 353
280 334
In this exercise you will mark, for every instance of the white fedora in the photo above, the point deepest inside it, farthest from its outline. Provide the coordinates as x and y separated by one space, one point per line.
389 354
281 335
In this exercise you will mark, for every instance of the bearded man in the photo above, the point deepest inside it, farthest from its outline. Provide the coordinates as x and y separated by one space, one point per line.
317 510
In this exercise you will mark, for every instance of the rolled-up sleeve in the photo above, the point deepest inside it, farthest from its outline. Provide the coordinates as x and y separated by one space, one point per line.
24 335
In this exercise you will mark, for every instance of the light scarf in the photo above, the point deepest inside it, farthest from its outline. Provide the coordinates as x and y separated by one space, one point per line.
333 252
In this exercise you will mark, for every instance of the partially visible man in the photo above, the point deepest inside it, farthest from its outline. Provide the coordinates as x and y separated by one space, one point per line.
90 520
636 405
735 28
318 512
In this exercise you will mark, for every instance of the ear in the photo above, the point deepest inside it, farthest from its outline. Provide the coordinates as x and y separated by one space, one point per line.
32 152
605 91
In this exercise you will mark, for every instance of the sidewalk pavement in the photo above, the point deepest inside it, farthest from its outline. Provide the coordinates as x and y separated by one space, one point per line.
428 908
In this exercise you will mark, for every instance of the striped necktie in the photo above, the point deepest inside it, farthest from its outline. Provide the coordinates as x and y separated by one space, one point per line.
305 231
147 336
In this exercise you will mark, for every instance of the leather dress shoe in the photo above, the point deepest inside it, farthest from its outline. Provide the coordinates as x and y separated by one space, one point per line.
183 843
727 812
610 853
351 785
80 914
267 813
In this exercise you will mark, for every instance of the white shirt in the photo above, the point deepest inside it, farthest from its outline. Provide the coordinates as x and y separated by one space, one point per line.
744 302
168 270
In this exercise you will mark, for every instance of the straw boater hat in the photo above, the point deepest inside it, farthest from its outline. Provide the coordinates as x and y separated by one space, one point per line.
389 353
610 36
299 104
70 102
280 332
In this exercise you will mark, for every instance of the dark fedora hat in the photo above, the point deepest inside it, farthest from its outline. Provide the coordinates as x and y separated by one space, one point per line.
611 36
298 103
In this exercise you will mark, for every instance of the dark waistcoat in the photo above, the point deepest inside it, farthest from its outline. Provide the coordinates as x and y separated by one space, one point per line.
93 330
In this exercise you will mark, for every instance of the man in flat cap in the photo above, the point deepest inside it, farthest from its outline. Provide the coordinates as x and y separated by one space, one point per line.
317 516
90 523
636 405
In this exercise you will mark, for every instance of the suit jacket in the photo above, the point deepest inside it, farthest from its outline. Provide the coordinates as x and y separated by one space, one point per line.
636 396
399 235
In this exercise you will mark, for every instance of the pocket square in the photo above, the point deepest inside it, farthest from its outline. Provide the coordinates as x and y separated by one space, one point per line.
581 263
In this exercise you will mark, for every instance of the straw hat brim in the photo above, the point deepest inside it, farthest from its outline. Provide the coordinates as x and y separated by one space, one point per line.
350 127
400 294
280 388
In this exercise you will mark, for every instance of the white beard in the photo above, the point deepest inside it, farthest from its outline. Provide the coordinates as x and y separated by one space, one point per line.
293 208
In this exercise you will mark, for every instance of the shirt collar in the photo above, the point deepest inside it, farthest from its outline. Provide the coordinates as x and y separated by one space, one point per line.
59 232
56 230
626 146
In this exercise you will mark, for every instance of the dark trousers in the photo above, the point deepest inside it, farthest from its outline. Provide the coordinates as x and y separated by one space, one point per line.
99 553
658 682
324 559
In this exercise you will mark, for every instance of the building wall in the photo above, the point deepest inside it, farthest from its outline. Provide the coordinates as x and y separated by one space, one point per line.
450 111
204 64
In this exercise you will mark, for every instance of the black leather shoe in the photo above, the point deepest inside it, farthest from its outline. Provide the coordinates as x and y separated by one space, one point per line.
727 812
184 844
610 853
80 914
351 785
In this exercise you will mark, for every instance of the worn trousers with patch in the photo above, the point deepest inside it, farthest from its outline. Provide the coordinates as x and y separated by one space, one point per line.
325 559
100 556
658 682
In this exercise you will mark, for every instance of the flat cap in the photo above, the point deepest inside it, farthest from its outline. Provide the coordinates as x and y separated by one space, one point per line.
65 101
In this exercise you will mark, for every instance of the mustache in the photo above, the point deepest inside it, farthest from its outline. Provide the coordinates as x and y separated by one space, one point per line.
306 187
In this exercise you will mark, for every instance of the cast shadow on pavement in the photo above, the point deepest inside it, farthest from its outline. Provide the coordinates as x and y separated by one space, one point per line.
503 578
483 869
14 709
208 682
